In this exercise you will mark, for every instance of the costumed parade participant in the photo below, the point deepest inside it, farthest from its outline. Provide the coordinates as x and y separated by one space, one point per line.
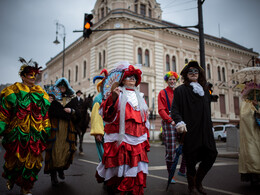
62 141
25 127
249 153
124 165
165 98
97 124
191 113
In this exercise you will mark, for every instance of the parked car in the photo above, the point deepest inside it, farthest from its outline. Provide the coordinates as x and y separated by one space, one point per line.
220 132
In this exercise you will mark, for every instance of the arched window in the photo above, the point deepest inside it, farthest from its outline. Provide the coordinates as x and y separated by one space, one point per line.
104 58
174 64
186 60
208 71
143 9
223 74
232 72
136 6
76 73
147 61
69 75
149 10
99 61
84 69
219 75
167 63
102 12
140 56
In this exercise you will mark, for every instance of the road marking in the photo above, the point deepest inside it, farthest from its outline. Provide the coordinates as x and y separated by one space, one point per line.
152 168
156 168
185 183
91 162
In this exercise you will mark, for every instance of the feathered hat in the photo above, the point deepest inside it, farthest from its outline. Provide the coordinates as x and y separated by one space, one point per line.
28 67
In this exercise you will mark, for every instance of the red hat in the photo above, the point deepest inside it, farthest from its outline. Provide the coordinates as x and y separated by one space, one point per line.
131 70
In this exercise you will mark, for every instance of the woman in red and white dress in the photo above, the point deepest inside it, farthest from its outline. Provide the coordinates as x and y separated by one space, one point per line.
125 163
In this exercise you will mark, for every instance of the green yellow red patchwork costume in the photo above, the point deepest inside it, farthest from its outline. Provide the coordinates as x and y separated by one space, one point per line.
24 125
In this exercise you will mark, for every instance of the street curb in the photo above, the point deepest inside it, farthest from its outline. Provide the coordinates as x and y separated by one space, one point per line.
231 155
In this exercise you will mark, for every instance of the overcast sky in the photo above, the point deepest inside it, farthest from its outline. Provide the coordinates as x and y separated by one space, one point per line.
27 27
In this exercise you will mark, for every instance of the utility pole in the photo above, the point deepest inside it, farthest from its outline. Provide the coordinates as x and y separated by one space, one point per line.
201 35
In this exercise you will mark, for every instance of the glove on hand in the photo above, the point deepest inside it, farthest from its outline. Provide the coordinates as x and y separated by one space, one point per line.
181 128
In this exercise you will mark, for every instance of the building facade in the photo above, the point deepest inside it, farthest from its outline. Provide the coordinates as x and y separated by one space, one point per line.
159 51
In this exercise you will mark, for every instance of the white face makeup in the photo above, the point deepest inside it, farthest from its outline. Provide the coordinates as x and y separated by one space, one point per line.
129 81
171 82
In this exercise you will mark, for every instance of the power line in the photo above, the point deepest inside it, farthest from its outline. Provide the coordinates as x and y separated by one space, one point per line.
180 10
178 4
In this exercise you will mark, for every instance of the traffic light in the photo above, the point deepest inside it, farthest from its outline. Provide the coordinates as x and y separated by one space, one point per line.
87 25
213 98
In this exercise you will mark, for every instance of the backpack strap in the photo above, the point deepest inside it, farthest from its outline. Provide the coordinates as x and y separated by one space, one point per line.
168 102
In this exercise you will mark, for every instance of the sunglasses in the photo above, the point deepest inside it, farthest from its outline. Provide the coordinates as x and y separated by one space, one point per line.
130 78
193 71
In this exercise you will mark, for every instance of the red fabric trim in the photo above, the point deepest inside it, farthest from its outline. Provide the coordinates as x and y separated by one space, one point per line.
115 156
133 122
126 184
134 184
5 112
16 147
108 114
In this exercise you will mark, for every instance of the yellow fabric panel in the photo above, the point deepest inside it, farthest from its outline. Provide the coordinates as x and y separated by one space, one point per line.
249 154
29 161
97 126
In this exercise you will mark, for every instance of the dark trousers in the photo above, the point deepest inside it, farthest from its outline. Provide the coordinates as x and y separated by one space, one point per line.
204 156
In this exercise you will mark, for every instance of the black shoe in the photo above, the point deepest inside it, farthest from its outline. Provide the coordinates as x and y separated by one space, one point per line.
61 174
54 179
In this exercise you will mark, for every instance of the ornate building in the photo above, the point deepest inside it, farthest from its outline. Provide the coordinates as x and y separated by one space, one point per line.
157 50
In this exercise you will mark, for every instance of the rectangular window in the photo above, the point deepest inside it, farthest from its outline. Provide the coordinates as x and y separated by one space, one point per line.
144 89
143 9
222 104
236 105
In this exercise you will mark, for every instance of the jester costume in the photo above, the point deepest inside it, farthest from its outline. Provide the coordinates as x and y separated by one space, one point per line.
25 126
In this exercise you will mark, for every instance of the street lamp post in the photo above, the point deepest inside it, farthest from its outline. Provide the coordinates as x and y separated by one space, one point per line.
58 25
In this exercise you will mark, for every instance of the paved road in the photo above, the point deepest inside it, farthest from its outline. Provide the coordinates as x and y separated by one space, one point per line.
223 178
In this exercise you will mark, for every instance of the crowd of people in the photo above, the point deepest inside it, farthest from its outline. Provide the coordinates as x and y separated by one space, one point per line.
33 121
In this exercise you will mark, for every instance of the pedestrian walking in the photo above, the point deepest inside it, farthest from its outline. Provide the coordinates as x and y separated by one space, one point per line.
97 123
78 103
191 113
165 98
124 164
25 126
62 141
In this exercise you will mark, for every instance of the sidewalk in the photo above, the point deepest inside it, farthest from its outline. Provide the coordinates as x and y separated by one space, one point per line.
221 146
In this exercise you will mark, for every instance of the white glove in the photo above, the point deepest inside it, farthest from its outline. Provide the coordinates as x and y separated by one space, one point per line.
181 127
